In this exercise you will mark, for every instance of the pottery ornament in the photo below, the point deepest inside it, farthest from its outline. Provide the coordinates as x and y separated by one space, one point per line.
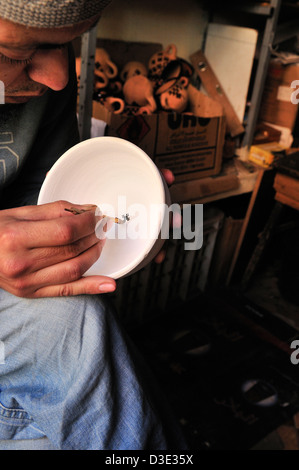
104 63
131 69
159 60
176 98
138 90
113 104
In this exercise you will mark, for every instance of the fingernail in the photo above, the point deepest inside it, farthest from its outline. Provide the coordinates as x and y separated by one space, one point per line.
86 208
89 207
107 287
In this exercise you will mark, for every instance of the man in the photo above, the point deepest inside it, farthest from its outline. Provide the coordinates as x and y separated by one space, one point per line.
67 379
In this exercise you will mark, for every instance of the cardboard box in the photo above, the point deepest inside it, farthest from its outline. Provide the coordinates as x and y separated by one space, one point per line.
276 106
189 144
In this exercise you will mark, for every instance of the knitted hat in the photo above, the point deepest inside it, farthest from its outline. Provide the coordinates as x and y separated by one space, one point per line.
50 13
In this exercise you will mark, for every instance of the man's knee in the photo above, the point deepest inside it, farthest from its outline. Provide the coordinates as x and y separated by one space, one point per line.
55 333
71 326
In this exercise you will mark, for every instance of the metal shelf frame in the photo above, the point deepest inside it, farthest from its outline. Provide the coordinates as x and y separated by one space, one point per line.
269 11
88 48
261 72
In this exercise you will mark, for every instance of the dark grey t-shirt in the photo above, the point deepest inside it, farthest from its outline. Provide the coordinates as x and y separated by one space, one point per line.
32 137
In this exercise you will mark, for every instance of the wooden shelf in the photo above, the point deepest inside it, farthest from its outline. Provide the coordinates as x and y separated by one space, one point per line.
235 179
255 8
259 8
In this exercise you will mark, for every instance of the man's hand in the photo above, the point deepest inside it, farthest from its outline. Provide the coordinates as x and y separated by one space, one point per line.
168 176
45 250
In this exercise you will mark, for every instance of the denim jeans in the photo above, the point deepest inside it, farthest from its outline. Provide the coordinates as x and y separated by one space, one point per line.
70 379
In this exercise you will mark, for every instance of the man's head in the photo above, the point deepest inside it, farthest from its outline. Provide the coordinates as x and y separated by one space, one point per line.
33 38
50 13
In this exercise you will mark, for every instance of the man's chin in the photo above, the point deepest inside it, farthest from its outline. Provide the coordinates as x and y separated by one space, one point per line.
19 99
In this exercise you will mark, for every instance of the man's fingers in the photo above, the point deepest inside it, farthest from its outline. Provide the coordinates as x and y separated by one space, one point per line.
168 176
160 257
52 210
62 273
48 256
55 232
87 285
48 249
67 271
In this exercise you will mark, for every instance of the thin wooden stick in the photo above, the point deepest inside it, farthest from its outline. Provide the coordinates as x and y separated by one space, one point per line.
116 220
245 224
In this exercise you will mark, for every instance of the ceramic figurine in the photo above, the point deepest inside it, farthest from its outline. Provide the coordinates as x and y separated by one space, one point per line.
114 87
138 90
101 79
131 69
78 69
159 60
113 104
176 98
104 63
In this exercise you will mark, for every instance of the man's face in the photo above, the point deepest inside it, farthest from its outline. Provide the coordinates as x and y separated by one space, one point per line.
35 59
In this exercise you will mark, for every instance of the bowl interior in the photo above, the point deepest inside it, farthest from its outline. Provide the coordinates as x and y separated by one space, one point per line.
120 179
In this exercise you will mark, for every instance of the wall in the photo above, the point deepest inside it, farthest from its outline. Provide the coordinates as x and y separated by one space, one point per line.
156 21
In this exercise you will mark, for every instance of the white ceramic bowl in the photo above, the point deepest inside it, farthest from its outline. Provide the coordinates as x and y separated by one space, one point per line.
120 179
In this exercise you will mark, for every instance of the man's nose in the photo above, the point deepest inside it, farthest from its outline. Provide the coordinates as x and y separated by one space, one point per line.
50 68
